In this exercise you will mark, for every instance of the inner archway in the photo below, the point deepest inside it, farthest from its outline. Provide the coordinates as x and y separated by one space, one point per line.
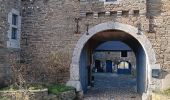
81 60
117 35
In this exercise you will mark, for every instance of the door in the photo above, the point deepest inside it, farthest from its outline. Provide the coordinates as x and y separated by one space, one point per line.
98 65
109 66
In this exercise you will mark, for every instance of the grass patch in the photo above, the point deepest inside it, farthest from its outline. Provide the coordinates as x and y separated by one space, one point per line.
58 88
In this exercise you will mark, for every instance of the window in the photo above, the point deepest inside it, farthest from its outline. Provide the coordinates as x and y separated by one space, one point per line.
14 19
14 33
123 53
110 0
125 13
136 12
14 26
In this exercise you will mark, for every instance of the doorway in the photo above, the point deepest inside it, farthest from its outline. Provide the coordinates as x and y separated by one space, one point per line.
124 67
109 66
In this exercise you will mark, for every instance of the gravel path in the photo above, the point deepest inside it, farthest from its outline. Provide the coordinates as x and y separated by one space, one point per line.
113 87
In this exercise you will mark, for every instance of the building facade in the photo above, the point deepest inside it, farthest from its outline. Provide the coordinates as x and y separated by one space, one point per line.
102 59
72 26
112 56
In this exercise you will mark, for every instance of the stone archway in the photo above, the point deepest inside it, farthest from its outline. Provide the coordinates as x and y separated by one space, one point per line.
128 29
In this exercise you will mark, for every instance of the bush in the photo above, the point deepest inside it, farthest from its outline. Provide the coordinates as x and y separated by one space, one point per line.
58 88
58 62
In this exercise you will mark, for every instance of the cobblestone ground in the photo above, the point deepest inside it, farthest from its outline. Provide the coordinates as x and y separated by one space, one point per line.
109 86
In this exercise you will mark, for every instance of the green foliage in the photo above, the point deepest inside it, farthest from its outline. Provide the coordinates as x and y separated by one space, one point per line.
58 88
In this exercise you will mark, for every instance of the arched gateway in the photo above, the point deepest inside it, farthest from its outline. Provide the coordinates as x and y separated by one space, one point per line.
145 50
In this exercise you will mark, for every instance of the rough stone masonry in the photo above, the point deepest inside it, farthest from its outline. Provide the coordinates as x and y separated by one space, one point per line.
48 26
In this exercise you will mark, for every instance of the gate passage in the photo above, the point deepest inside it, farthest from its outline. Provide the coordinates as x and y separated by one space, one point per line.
124 68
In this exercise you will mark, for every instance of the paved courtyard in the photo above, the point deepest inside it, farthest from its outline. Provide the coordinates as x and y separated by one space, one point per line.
110 86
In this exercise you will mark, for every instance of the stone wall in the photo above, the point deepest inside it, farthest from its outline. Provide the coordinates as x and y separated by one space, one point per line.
6 7
50 25
160 35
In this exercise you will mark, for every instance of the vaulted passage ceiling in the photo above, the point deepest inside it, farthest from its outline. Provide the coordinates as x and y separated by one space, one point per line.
133 43
114 35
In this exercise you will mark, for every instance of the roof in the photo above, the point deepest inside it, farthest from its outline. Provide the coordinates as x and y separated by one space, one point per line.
113 46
